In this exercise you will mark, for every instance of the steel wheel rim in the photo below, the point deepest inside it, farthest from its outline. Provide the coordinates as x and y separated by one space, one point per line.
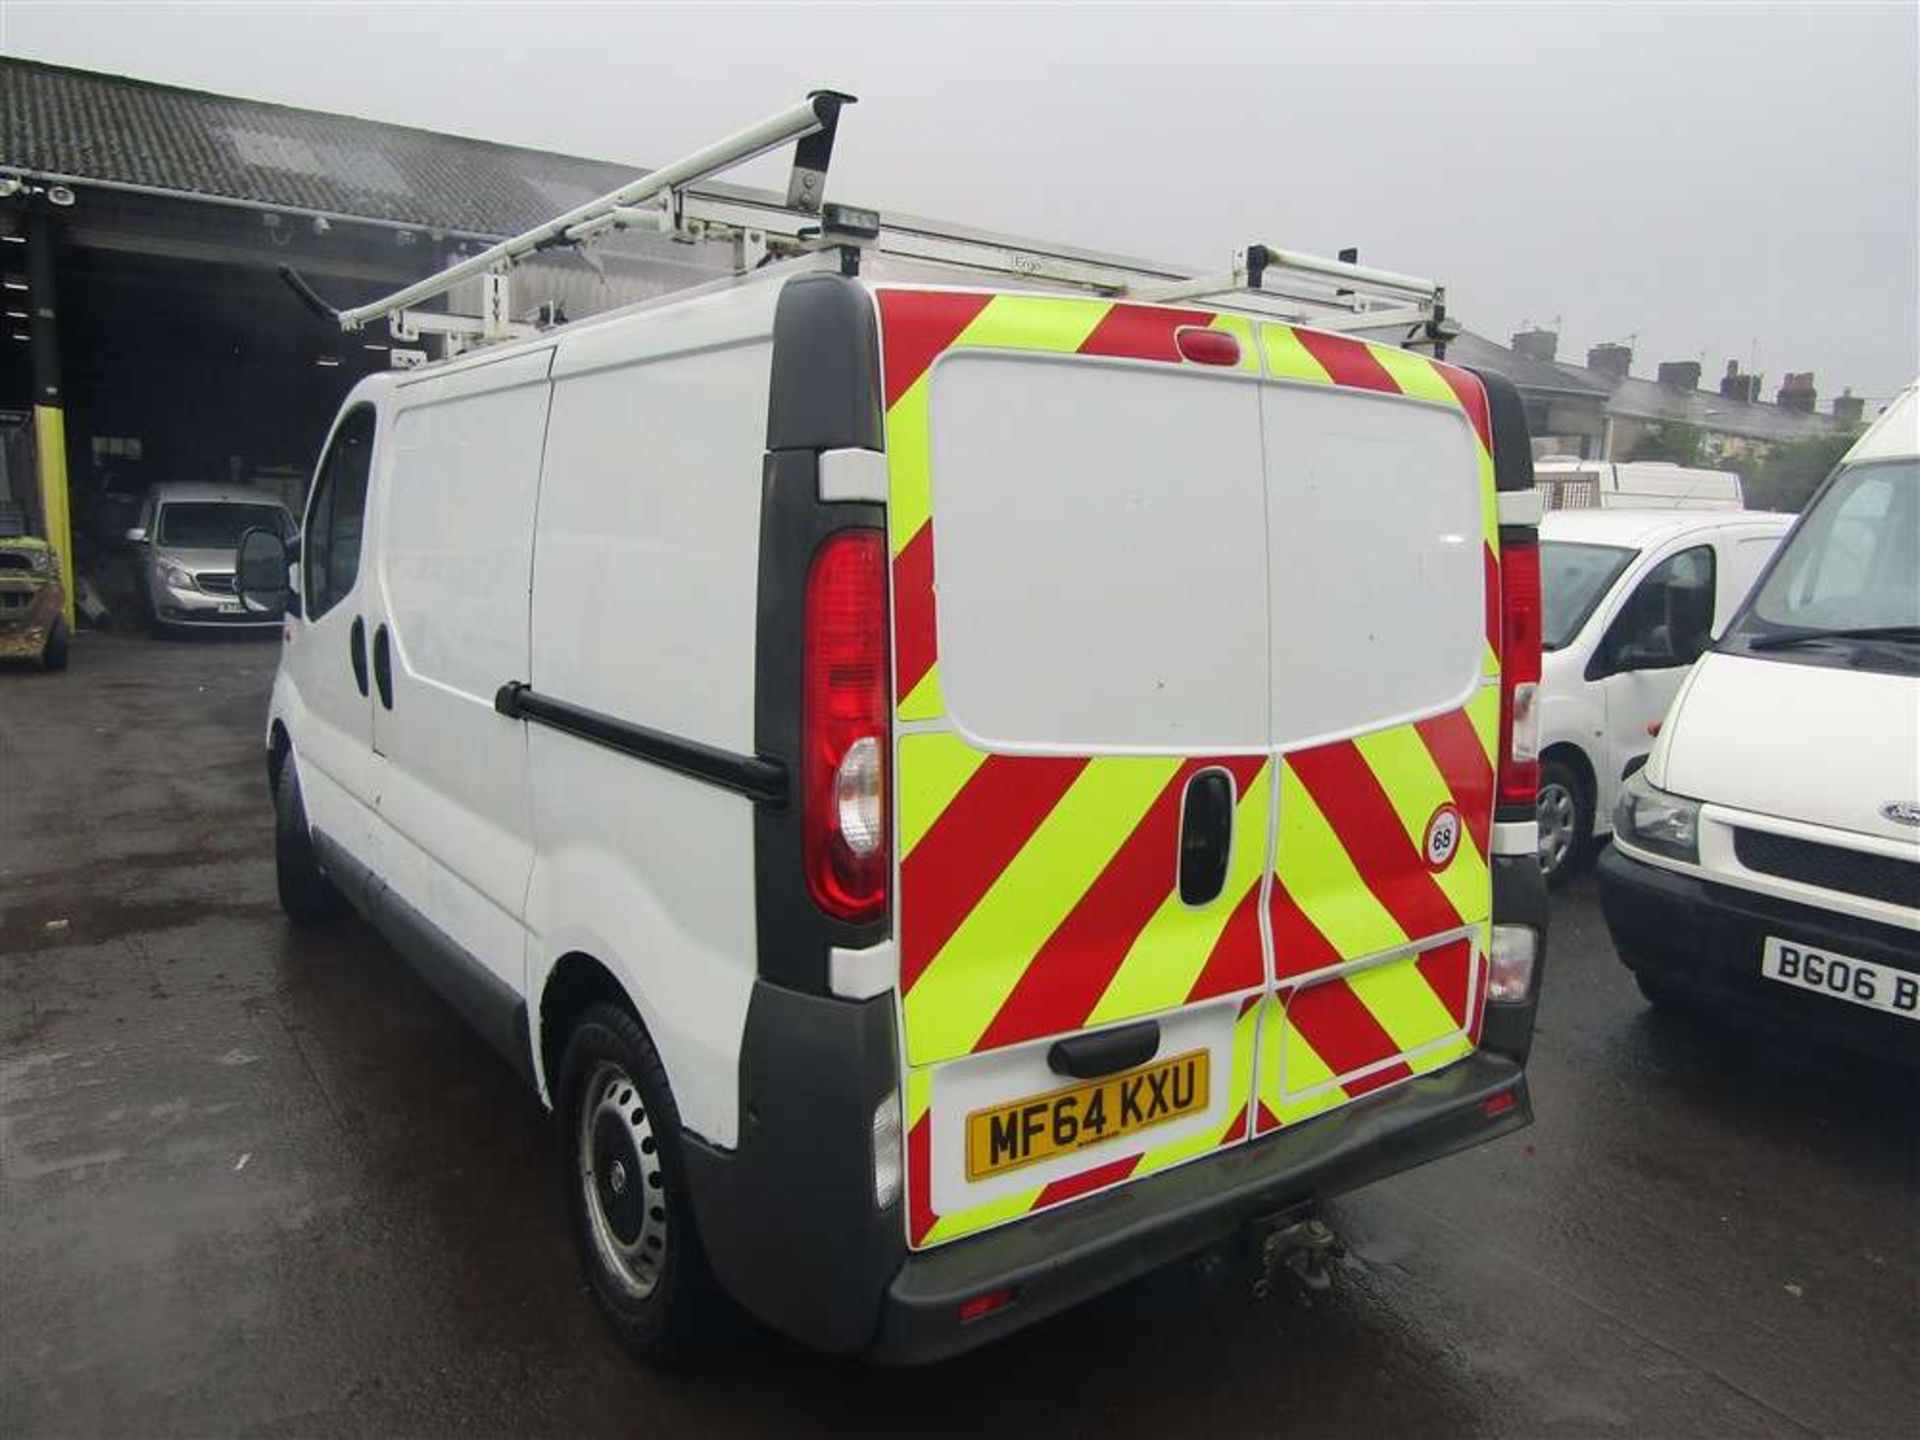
622 1182
1556 813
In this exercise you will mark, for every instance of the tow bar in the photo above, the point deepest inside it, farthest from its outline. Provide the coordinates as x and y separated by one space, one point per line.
1299 1244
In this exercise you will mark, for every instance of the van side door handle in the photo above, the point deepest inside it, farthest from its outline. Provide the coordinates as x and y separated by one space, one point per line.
383 666
357 652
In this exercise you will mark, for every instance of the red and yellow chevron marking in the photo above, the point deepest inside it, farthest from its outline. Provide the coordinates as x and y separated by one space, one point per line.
1351 878
1039 894
1328 1042
925 1227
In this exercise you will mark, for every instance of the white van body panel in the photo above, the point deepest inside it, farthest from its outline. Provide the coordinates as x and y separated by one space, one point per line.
1607 720
1636 485
328 720
455 498
645 575
1114 613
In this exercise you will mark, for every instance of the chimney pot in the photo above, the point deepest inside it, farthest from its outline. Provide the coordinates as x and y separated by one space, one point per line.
1680 374
1797 392
1613 360
1536 344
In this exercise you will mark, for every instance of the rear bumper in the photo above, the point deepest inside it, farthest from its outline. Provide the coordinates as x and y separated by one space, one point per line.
788 1219
1057 1259
1706 939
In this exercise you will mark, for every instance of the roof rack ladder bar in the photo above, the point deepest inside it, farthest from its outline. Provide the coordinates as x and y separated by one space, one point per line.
817 115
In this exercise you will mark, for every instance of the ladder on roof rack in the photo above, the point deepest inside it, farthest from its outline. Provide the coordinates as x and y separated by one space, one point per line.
1285 284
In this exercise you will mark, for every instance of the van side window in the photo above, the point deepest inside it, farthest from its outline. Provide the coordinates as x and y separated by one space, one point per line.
1669 617
330 555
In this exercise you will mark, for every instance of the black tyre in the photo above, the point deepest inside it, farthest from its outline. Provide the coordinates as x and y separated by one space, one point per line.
626 1190
1660 994
306 894
1564 808
54 656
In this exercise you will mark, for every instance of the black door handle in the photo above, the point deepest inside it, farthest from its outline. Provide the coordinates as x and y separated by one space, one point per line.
383 666
357 652
1206 836
1087 1057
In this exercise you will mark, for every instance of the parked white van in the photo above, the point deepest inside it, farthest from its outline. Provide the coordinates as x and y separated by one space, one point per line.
904 960
1630 599
1567 483
1768 855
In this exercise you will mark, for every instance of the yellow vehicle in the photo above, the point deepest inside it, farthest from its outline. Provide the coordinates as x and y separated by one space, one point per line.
32 625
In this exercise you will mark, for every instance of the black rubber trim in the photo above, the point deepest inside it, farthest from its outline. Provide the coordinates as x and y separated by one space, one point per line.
825 396
825 384
788 1218
1512 442
1057 1259
485 1001
1088 1057
1519 898
762 781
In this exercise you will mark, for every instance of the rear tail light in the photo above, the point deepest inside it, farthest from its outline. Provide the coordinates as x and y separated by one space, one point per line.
1519 674
1510 964
843 742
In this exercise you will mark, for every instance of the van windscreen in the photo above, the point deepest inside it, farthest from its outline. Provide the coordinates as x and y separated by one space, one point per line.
1573 579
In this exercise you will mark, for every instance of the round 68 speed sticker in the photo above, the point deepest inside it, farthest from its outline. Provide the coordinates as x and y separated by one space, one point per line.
1443 837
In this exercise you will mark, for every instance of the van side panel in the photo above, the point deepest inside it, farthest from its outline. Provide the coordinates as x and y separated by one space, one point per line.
451 578
645 568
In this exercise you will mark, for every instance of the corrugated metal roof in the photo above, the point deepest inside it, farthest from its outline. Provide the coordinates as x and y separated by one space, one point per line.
93 126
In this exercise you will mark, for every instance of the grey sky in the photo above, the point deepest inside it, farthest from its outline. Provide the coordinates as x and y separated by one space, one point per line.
1717 181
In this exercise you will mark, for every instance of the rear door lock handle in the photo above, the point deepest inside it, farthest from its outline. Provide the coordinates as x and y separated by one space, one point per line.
357 652
1206 836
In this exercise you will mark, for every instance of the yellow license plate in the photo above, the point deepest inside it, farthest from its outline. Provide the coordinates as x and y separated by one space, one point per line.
1025 1132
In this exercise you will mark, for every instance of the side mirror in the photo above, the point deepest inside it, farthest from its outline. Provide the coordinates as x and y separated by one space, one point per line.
137 535
260 573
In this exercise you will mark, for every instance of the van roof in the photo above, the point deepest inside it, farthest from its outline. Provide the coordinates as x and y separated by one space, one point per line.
1896 434
1638 529
202 491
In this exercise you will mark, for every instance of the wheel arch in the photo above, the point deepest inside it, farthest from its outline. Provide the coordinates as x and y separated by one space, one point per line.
576 981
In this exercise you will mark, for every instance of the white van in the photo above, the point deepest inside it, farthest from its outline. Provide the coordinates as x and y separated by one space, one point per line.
1631 598
1567 483
1768 856
910 959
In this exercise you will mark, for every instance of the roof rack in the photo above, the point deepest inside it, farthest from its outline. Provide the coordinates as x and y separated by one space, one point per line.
679 202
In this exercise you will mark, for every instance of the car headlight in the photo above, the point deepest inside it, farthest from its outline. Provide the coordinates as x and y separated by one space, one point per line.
1651 819
177 576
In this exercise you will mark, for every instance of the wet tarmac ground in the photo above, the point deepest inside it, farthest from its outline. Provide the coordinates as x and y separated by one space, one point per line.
259 1182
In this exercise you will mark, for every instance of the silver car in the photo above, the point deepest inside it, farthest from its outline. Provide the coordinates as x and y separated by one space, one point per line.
184 548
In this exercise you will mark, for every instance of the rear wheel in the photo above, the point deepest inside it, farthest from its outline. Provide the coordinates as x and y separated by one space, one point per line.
1564 809
1659 993
54 656
306 894
626 1190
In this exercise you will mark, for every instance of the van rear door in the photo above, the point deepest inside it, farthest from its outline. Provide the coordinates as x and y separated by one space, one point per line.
1121 581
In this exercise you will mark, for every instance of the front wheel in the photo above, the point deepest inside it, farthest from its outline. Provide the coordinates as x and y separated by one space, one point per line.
54 656
626 1192
1565 814
306 894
